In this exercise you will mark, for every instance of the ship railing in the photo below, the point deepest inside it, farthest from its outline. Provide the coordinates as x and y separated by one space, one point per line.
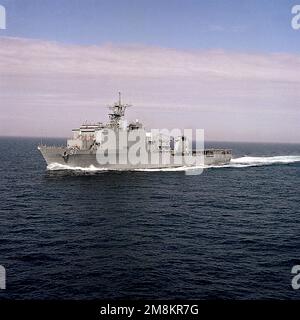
213 151
50 147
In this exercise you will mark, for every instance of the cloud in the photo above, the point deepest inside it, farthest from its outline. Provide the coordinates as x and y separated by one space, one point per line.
36 58
230 94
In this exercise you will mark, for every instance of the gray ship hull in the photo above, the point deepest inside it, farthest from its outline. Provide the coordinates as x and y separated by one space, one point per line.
88 158
118 146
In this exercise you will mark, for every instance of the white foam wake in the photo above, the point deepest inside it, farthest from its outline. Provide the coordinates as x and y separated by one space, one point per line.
58 167
241 162
248 161
171 169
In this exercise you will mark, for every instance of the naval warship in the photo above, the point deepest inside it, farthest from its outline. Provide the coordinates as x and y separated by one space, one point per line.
88 147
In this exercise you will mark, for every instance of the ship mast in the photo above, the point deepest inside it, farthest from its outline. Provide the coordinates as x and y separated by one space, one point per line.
119 98
117 113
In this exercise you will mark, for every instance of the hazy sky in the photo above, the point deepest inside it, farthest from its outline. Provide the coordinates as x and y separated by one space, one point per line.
230 67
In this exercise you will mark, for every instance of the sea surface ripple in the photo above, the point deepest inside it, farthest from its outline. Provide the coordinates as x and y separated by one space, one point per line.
230 233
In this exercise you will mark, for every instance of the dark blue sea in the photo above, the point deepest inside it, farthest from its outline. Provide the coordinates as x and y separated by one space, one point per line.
230 233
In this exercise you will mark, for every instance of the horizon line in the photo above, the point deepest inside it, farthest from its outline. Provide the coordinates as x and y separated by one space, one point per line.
223 141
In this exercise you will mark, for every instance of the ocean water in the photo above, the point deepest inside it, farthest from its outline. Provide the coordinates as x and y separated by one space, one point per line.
232 232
